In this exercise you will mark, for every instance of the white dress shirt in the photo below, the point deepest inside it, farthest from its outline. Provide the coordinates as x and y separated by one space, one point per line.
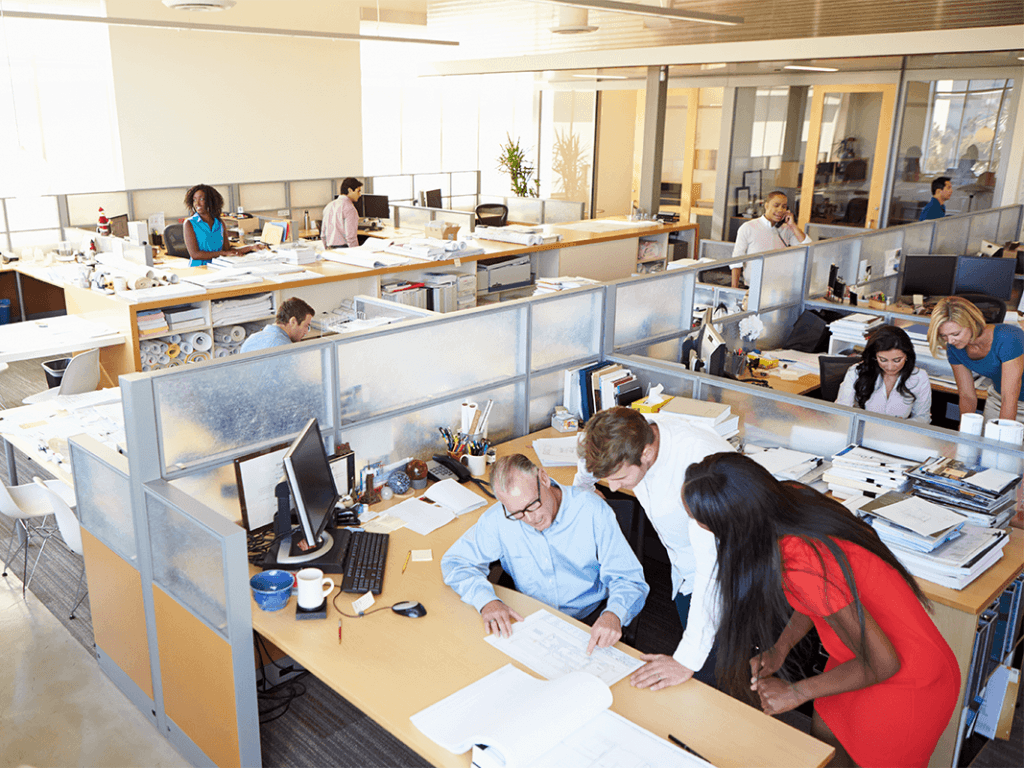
692 551
760 235
893 404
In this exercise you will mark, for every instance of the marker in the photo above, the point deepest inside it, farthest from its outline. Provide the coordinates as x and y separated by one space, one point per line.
693 752
339 631
406 561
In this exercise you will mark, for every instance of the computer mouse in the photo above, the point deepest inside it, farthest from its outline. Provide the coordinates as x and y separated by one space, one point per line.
409 608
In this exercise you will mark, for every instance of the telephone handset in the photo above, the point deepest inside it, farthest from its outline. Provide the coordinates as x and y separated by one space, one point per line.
456 468
781 222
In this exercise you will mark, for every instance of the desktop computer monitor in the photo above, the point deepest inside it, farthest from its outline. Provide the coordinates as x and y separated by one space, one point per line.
985 274
434 198
312 484
705 350
928 275
119 225
374 207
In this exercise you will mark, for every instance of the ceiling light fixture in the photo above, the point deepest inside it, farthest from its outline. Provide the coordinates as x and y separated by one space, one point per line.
155 24
614 6
603 77
572 21
803 68
199 5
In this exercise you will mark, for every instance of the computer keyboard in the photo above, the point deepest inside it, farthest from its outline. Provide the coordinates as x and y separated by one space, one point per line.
364 566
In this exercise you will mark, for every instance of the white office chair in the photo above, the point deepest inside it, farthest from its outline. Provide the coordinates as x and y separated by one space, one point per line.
81 375
28 506
62 499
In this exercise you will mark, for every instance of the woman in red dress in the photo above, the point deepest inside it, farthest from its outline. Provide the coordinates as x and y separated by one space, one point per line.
789 556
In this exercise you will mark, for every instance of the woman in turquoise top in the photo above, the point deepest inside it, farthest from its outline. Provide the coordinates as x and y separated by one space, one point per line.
206 238
996 351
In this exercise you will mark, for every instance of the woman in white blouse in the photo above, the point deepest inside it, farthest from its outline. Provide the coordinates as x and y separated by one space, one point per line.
886 381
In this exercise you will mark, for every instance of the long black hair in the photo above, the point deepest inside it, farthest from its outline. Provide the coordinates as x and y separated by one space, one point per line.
749 511
884 339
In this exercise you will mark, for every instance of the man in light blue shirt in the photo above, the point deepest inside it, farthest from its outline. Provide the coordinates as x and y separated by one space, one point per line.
293 319
561 545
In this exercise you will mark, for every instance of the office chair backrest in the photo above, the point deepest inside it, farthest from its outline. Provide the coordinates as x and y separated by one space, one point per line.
82 374
174 240
993 308
832 371
856 211
67 523
855 170
492 214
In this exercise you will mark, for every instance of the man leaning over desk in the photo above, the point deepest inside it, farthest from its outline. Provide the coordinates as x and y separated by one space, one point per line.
561 545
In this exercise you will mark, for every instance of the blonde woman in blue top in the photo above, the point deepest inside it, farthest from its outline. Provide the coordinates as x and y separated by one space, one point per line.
972 346
206 237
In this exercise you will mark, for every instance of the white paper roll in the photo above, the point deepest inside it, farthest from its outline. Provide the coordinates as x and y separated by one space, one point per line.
186 349
163 359
1005 430
222 338
237 333
972 423
146 367
174 338
201 342
161 348
222 352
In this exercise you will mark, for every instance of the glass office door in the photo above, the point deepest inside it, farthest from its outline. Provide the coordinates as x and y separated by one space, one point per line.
846 156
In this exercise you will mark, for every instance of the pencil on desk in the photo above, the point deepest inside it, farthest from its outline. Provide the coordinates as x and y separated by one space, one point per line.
339 631
406 561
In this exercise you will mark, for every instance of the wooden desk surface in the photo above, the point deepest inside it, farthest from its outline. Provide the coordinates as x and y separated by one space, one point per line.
392 667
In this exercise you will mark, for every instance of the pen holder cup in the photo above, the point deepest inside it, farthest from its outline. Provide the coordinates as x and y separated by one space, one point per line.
456 455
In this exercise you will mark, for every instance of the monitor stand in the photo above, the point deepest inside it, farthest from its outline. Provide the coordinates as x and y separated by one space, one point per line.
329 557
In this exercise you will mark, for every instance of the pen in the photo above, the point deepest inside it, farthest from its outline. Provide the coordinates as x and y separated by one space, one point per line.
693 752
339 631
406 561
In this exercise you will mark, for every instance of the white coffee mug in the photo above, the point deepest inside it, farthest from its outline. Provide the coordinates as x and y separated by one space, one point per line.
313 587
477 464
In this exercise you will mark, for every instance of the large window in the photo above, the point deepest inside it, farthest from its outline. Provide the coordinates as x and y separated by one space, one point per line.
954 128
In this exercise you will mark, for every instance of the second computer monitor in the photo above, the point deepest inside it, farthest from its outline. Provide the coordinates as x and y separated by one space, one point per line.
374 207
434 198
985 274
928 275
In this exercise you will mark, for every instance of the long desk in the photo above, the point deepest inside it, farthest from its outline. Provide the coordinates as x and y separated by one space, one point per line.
392 667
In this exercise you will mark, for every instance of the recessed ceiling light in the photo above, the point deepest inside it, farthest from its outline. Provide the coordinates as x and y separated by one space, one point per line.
803 68
707 67
604 77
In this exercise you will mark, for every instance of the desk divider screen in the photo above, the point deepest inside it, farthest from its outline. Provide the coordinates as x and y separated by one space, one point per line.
950 235
1009 224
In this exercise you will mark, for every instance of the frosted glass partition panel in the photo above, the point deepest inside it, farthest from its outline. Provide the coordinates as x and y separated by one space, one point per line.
556 211
645 309
670 350
823 255
188 561
566 328
170 202
950 236
459 218
269 196
464 203
430 360
703 295
524 209
545 393
217 488
464 183
415 433
984 226
410 217
272 397
83 210
893 438
772 422
716 249
395 187
874 246
104 499
783 277
308 194
1009 224
777 325
917 239
423 182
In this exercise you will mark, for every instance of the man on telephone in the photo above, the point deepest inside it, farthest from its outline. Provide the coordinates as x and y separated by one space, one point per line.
561 545
775 229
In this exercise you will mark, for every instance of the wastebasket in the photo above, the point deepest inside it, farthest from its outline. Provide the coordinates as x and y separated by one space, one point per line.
54 370
5 311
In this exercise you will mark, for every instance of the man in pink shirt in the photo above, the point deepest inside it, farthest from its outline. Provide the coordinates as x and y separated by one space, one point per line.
341 219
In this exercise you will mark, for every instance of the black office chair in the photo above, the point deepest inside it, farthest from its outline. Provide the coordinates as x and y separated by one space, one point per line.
992 308
174 240
492 214
832 371
632 522
855 170
856 211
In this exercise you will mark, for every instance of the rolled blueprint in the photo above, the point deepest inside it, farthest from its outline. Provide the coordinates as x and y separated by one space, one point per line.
200 341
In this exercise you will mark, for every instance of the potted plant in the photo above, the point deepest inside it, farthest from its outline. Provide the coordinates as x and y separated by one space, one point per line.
513 161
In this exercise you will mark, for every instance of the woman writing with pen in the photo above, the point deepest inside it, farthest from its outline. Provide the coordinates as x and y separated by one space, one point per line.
789 556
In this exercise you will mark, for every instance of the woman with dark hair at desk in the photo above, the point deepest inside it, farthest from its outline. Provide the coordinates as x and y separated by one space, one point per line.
886 381
789 556
974 346
206 237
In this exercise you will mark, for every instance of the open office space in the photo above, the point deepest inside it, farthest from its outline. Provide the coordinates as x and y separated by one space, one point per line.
169 584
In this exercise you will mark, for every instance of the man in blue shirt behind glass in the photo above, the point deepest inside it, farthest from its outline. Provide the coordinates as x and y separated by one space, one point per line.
561 545
942 190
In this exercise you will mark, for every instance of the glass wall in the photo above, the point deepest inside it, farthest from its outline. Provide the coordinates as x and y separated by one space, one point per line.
568 126
954 128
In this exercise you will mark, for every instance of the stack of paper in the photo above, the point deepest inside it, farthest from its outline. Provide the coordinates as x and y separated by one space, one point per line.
185 318
714 416
910 522
958 562
860 471
854 328
985 496
786 464
232 311
556 284
151 323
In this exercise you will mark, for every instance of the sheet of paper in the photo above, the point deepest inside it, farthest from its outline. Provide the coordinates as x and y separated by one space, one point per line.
384 523
422 555
991 479
556 451
553 647
420 516
920 516
781 459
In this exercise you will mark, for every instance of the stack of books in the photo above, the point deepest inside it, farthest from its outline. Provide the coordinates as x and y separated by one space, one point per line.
151 323
854 328
405 292
714 416
442 291
859 471
185 318
985 496
596 387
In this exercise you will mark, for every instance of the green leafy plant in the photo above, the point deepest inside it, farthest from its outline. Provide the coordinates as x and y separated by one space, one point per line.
513 161
569 165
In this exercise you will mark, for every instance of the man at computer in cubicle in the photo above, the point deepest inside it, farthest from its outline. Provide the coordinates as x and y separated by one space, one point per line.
341 219
775 229
649 453
561 545
293 319
942 190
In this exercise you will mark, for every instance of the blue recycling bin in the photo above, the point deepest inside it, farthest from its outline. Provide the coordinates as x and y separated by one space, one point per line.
5 311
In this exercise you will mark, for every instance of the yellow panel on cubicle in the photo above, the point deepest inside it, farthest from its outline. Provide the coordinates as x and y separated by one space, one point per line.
118 614
198 681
